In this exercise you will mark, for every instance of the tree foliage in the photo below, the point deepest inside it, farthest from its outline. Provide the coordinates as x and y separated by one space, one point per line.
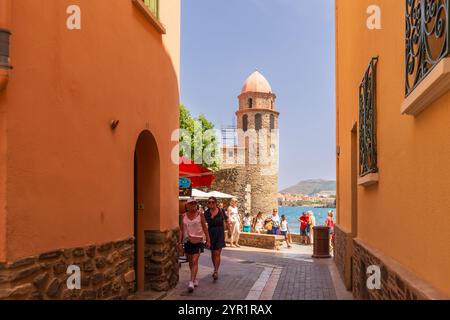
199 134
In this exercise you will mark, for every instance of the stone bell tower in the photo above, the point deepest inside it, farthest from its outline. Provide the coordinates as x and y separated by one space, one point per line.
257 124
249 168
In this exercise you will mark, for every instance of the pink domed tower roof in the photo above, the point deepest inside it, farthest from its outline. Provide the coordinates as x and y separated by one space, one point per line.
256 83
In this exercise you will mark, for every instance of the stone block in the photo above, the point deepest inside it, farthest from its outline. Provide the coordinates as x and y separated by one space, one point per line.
97 278
51 255
88 295
54 288
22 291
130 276
87 266
90 251
100 262
60 267
41 280
20 275
121 267
23 263
105 247
78 252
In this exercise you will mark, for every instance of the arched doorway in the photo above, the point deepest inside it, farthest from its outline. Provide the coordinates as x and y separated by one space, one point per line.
146 200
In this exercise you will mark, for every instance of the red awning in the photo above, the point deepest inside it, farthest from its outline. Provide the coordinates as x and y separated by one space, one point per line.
199 175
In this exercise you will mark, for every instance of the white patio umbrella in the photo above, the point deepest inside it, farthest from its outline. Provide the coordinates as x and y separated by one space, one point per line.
199 195
220 195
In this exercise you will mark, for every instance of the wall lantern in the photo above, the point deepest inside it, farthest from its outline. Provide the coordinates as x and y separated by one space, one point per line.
114 124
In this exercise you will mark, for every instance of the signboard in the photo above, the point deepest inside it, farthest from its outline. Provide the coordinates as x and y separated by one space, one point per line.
185 187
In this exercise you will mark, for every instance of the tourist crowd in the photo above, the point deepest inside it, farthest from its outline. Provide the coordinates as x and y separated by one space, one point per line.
205 228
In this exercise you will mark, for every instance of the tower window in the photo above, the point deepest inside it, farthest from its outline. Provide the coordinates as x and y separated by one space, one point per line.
272 122
245 123
258 121
250 103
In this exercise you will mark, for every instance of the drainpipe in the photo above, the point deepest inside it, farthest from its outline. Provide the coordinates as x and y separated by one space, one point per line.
5 33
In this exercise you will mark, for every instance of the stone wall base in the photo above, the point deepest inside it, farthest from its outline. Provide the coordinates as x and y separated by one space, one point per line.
263 241
107 272
161 260
397 283
343 252
296 238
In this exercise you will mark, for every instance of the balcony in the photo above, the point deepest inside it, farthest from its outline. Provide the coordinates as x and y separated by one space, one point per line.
153 6
427 62
368 168
150 9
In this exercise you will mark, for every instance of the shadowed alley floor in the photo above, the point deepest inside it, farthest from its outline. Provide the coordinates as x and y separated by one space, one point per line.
258 274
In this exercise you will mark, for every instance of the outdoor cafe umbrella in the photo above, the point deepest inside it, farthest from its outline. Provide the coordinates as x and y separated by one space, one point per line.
199 175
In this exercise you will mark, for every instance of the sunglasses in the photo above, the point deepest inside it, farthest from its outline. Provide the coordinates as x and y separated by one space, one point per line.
211 202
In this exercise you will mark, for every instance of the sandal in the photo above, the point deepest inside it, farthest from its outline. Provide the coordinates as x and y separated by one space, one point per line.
215 276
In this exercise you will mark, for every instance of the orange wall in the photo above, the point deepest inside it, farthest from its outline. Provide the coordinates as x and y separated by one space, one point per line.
407 215
70 178
2 182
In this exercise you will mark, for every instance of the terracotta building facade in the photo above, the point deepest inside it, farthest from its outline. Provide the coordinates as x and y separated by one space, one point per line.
89 96
393 148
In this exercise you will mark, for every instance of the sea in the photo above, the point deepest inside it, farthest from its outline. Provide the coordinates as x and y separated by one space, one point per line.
293 213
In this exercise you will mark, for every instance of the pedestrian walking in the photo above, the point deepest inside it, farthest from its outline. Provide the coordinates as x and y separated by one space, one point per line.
284 230
312 224
304 228
329 222
235 219
194 231
217 221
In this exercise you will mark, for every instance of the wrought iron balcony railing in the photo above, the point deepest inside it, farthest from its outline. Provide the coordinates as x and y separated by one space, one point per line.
367 121
427 38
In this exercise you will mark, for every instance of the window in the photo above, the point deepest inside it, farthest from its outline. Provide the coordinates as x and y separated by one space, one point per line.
250 103
427 54
427 39
153 5
150 9
367 122
272 122
258 121
245 123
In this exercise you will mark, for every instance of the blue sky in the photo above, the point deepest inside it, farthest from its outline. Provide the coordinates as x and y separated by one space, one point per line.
291 42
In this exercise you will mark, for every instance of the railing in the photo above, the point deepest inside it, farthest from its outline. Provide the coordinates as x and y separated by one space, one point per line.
427 38
367 121
153 5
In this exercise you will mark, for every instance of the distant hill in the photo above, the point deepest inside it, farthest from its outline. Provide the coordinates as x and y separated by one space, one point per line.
311 187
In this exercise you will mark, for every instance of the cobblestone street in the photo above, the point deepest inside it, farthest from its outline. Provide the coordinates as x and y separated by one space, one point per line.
257 274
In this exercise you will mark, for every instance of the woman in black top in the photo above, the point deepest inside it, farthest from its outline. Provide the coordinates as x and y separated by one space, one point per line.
216 219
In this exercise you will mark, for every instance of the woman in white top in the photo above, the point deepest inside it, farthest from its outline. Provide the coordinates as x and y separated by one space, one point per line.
247 222
258 223
312 224
235 218
284 230
194 231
